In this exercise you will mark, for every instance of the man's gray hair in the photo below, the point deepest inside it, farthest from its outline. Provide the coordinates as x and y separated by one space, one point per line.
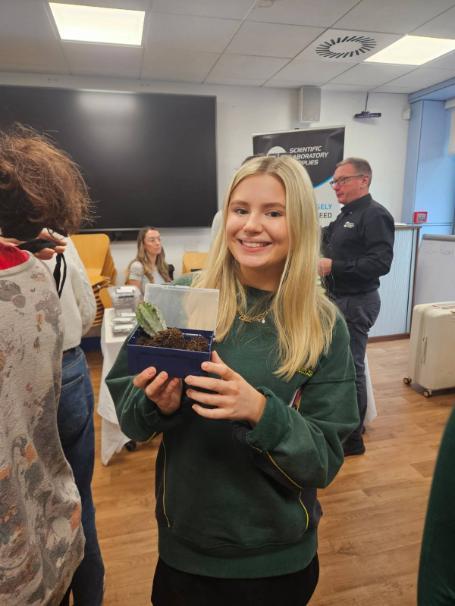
361 166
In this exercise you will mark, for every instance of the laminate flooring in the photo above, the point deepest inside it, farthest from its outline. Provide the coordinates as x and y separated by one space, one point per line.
370 534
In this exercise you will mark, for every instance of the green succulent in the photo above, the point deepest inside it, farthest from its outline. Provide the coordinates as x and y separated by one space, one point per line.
149 318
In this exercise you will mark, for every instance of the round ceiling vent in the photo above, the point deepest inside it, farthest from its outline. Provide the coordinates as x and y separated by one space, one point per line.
345 47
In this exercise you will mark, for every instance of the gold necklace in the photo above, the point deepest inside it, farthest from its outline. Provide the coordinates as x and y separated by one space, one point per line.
257 318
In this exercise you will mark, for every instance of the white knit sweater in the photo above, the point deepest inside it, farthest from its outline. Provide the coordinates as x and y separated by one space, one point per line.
78 301
41 535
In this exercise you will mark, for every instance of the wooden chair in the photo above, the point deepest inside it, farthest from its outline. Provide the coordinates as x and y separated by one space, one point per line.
95 253
193 261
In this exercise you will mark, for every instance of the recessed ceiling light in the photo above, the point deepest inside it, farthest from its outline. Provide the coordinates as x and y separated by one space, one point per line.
413 50
96 24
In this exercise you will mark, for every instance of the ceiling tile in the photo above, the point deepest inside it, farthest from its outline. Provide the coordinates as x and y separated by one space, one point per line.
271 39
421 78
28 39
393 88
139 5
245 67
106 59
273 83
180 32
371 75
442 26
323 13
309 72
269 46
234 81
344 87
445 62
346 46
392 16
179 66
233 9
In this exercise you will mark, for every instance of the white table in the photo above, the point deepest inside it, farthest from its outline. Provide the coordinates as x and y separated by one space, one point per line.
112 438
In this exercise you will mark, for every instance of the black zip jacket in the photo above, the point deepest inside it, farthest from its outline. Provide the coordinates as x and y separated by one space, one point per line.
360 243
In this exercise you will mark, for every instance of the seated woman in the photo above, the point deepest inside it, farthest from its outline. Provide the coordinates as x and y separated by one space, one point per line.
149 264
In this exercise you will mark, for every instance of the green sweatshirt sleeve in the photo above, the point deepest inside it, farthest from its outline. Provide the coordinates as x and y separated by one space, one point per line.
436 586
304 446
139 417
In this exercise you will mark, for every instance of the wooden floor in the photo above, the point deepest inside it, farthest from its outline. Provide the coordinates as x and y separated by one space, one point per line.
373 512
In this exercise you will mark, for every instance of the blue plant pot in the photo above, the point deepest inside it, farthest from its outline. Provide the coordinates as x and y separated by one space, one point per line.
176 362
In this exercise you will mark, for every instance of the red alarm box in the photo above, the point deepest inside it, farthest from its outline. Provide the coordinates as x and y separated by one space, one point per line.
420 216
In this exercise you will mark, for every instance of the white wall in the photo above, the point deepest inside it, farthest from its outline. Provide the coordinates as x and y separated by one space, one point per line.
382 141
244 111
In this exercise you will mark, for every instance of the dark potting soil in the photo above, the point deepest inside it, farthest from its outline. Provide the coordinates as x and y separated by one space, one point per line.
173 338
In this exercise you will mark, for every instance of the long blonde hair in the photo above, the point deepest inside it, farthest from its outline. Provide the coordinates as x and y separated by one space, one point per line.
303 315
160 263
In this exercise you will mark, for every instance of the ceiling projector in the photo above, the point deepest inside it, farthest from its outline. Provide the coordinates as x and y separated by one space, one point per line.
366 114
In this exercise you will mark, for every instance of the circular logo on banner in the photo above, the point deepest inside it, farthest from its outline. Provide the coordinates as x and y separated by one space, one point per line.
318 150
276 151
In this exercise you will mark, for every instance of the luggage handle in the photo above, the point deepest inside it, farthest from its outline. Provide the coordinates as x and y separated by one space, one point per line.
448 306
424 349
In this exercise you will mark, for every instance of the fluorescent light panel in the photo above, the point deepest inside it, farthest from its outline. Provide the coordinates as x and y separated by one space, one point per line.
413 50
96 24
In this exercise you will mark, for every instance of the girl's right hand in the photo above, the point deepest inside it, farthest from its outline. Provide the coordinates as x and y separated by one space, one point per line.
166 393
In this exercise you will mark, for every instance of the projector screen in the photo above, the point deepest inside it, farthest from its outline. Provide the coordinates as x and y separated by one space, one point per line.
148 159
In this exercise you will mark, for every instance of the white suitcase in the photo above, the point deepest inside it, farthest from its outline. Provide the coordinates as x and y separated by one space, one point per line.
432 347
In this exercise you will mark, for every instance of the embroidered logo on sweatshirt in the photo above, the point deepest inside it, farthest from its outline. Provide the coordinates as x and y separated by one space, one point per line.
349 225
308 372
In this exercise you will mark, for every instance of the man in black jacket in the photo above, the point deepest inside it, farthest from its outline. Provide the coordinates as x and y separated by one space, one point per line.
357 249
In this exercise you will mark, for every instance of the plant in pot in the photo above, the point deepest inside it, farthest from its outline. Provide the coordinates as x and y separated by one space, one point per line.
178 351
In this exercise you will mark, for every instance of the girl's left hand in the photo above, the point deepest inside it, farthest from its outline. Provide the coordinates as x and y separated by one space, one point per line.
45 253
234 398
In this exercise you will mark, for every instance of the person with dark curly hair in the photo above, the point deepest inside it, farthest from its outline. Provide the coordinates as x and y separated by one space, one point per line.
40 524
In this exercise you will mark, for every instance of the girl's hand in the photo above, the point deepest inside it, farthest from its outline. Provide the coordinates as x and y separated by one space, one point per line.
164 392
234 398
47 253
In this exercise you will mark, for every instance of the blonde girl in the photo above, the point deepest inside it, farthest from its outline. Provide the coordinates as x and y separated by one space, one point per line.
246 446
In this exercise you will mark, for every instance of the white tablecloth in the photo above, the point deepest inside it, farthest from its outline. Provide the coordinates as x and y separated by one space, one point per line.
112 438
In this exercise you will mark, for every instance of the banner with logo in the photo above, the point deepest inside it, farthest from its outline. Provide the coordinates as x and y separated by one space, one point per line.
319 150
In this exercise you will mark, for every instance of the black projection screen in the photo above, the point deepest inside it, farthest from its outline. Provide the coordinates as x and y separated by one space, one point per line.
148 159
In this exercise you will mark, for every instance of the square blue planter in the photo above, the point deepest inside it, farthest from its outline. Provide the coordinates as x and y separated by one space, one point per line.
176 362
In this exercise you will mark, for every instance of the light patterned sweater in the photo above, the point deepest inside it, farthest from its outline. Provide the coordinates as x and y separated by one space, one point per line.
41 538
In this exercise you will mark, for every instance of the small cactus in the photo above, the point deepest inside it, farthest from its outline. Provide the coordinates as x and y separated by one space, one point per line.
150 318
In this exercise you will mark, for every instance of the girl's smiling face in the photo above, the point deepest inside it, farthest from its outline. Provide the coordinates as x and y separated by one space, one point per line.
256 230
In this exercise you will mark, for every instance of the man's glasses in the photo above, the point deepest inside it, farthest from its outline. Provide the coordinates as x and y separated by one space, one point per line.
343 180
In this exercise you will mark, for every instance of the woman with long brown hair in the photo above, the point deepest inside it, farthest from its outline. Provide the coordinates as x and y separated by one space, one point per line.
150 265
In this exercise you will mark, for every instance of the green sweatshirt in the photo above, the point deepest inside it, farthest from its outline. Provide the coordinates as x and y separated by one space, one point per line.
239 502
437 561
